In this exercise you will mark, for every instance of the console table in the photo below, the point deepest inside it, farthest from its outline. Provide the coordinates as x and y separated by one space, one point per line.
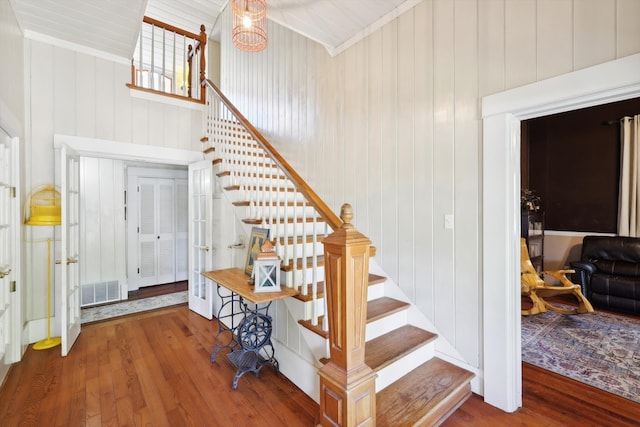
248 332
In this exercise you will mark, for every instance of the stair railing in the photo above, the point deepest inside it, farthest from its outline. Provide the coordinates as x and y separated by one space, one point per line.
261 177
169 61
275 196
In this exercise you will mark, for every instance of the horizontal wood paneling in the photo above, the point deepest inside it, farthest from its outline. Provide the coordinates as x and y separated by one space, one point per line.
406 101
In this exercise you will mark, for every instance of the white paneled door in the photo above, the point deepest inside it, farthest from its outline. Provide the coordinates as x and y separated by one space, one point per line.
156 235
10 314
70 243
200 237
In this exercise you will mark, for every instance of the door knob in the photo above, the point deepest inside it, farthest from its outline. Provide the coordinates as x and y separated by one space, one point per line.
4 271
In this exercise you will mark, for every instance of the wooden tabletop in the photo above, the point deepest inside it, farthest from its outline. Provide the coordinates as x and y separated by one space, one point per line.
236 281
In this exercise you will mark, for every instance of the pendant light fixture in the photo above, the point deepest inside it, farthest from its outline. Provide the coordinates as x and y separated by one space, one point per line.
249 24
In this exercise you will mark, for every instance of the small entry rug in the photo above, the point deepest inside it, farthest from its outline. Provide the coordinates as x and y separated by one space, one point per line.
599 349
123 308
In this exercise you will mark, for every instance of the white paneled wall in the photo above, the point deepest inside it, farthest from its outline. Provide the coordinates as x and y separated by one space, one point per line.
102 223
77 94
392 125
11 68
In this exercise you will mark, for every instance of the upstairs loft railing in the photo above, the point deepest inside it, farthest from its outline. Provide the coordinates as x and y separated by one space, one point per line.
275 196
169 61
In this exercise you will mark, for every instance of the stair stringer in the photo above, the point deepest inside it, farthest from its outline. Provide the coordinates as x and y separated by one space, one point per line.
296 358
443 348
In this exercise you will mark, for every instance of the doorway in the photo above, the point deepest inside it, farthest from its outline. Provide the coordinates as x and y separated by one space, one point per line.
10 259
113 157
157 225
502 114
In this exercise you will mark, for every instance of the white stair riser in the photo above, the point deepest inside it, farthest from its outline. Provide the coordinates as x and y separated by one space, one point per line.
301 276
295 230
386 324
404 365
299 250
375 291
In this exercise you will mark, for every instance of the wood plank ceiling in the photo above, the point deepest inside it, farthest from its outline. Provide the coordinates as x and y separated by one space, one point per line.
113 26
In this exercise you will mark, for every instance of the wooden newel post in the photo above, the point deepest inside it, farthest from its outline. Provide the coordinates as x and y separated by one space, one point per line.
347 385
203 63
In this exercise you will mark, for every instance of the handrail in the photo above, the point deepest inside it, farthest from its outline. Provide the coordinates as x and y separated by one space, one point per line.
330 217
173 29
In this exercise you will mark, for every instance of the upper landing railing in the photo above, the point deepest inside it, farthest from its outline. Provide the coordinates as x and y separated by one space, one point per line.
169 61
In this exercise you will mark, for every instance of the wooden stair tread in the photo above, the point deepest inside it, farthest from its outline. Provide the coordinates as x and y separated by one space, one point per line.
373 280
382 307
425 396
284 220
254 163
376 309
298 240
386 349
260 188
267 203
299 263
315 328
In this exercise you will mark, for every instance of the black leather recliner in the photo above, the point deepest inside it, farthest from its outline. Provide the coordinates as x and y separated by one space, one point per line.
609 272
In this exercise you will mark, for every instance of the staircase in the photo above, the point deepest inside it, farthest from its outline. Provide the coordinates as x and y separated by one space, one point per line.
413 386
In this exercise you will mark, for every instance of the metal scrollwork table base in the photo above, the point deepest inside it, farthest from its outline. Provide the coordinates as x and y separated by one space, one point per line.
244 323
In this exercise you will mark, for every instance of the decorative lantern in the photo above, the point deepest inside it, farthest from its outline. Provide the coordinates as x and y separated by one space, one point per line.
266 269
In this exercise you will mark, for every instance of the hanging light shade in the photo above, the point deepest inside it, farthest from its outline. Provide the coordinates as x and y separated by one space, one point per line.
249 24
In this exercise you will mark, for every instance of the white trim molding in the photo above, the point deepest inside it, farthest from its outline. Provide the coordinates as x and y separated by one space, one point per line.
54 41
502 113
92 147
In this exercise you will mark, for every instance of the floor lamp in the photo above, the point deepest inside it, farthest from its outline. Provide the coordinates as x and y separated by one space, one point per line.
45 210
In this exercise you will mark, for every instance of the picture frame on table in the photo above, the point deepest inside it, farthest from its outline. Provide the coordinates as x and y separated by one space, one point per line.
257 238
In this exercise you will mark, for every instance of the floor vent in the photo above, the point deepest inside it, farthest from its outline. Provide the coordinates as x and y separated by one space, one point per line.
100 293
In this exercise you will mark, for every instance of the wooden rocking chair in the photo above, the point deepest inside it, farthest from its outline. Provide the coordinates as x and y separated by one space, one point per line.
535 288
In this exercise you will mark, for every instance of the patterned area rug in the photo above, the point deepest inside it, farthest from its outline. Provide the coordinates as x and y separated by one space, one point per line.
599 349
93 314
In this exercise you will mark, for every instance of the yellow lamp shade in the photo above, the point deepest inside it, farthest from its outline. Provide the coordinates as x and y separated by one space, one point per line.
45 207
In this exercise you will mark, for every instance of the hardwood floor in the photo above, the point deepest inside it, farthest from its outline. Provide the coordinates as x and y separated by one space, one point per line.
152 291
551 400
153 369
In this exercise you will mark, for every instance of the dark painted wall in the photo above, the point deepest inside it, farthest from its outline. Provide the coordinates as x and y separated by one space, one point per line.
572 160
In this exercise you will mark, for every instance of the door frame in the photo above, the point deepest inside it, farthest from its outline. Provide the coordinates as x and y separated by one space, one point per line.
14 333
502 113
134 172
69 181
201 290
107 149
